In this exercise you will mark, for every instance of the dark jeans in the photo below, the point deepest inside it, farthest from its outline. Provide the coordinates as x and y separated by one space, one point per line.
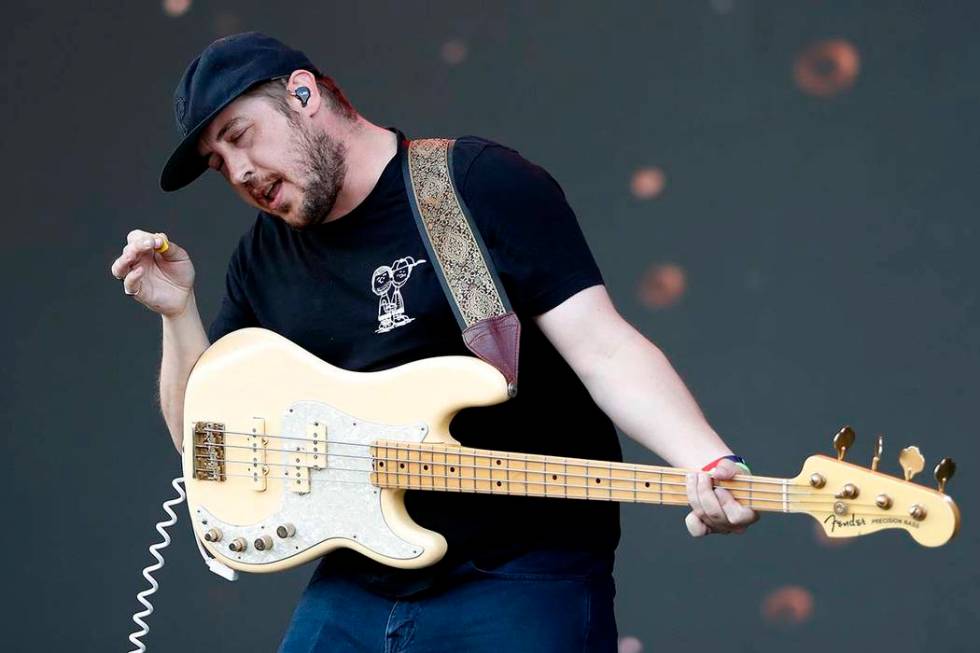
542 601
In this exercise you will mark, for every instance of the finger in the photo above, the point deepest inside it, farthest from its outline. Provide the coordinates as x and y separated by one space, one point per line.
692 496
132 284
724 470
714 514
737 513
121 266
137 235
695 526
129 257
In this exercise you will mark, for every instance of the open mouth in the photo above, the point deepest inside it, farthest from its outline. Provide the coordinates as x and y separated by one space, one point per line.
271 196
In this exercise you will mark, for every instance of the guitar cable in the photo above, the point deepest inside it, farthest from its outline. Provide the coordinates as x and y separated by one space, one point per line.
213 564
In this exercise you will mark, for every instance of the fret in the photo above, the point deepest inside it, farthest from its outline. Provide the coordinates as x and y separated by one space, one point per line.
565 476
414 465
454 471
406 465
593 483
525 474
386 465
396 464
634 484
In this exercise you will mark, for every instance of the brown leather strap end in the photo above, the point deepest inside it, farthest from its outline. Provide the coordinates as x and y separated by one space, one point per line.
497 340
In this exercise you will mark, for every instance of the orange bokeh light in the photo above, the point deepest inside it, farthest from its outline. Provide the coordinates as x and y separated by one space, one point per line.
174 8
648 183
826 68
790 604
662 285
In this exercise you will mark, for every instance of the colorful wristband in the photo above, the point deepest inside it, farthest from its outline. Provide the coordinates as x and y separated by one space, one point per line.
738 460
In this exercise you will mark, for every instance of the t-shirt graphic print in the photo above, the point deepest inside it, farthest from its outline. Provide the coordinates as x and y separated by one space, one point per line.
387 282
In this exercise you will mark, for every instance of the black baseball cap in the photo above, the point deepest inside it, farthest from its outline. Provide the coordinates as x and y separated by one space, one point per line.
226 69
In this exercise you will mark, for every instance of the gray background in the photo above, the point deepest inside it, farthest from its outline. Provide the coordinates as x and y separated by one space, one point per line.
830 248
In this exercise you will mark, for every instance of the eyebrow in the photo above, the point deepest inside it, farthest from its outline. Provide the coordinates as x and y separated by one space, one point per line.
221 132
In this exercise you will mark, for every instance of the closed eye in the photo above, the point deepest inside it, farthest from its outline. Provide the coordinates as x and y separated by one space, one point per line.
234 139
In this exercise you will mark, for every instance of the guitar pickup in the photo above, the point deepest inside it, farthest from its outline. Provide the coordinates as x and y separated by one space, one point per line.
258 445
310 453
317 441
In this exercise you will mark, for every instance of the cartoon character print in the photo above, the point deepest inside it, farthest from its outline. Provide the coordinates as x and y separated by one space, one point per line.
386 282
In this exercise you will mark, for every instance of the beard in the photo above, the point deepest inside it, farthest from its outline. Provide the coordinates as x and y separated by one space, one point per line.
325 165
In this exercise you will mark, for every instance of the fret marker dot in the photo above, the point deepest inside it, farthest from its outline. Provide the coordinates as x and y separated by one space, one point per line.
598 481
402 465
425 467
498 462
554 477
498 483
452 469
647 483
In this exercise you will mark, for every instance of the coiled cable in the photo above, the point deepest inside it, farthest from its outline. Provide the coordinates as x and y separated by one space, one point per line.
148 571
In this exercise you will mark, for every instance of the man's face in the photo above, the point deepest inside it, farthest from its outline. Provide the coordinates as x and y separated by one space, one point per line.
284 166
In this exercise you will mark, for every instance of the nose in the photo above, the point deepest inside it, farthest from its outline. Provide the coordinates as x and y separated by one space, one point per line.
239 169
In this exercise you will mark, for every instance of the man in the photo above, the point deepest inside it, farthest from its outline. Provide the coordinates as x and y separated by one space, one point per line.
521 573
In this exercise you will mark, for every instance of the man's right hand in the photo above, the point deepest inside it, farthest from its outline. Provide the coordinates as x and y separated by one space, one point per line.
163 282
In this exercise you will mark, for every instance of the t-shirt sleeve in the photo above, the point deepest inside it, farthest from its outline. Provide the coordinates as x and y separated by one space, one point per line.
530 231
236 311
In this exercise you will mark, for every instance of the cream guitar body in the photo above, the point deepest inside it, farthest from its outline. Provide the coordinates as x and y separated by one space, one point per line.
256 379
287 457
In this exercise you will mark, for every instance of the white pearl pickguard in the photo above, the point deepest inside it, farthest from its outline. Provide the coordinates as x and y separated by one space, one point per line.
341 503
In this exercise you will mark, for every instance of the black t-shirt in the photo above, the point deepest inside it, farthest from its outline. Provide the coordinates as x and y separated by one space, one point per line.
322 288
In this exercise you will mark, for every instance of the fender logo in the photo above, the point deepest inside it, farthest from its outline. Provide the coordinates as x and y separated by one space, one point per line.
836 523
856 522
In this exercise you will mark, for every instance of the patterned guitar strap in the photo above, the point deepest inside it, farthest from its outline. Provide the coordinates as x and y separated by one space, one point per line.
490 327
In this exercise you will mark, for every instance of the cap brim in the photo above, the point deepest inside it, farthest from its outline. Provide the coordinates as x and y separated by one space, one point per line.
186 164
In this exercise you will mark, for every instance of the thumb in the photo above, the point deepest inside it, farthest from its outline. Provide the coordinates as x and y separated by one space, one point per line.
168 250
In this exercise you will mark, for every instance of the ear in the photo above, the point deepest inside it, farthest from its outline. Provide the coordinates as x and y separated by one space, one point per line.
304 78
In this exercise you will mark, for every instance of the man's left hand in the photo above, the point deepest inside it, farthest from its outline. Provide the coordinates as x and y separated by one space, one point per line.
715 510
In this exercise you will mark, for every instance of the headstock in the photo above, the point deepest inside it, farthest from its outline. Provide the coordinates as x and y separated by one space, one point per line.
849 500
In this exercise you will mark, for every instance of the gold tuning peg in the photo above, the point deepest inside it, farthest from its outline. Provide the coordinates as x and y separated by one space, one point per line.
843 441
911 460
944 471
876 458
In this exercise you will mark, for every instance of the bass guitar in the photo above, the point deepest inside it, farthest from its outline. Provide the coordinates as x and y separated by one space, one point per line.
288 457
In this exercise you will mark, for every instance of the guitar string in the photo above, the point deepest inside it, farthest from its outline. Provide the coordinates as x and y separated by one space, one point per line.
498 469
503 455
412 475
682 497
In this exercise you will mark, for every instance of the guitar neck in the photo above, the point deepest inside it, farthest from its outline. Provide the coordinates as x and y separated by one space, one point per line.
445 468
